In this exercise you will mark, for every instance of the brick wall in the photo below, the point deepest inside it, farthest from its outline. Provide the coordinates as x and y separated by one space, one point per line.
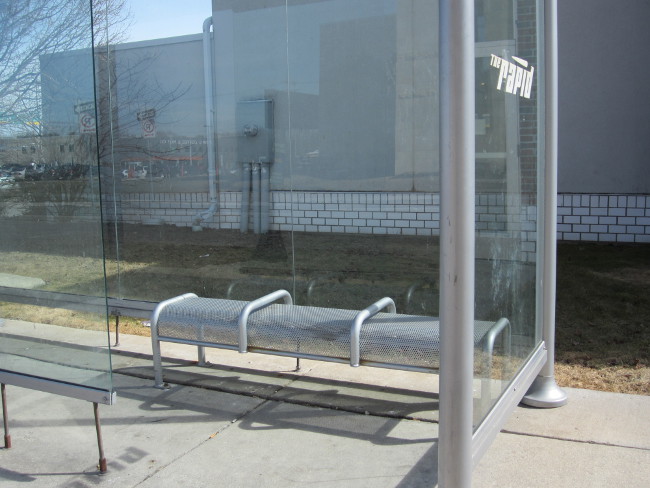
603 218
380 213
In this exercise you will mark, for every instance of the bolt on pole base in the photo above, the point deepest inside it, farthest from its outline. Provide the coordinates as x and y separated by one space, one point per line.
544 393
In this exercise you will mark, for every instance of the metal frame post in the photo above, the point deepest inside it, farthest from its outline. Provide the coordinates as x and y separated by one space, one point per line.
456 241
544 392
5 418
117 330
100 444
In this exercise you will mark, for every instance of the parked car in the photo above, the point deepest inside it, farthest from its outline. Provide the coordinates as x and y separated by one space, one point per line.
6 178
134 172
34 172
18 172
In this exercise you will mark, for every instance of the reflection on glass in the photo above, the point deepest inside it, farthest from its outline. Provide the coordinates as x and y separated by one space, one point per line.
506 186
49 192
364 156
289 145
350 160
155 158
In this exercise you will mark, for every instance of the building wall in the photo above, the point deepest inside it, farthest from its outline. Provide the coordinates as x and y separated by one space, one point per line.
604 218
604 188
603 142
604 125
380 213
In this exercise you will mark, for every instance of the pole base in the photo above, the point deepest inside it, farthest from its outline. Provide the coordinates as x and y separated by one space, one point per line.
544 393
7 442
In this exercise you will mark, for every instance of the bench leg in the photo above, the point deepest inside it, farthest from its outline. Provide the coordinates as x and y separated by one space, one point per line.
100 443
5 419
201 355
117 330
157 363
486 388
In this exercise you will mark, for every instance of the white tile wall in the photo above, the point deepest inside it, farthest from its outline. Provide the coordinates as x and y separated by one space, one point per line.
603 218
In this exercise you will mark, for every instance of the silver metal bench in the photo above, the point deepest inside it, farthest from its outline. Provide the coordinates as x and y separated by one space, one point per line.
367 337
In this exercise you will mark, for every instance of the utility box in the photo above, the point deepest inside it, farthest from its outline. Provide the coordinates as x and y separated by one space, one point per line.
255 131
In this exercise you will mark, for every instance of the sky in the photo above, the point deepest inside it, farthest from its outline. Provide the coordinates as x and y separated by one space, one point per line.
154 19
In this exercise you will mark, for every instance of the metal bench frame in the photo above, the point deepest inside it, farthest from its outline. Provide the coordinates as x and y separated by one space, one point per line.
486 341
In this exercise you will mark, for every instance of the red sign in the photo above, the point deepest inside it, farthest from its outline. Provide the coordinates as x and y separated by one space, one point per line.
87 124
148 128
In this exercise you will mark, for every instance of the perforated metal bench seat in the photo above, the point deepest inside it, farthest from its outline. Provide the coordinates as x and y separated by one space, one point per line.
368 337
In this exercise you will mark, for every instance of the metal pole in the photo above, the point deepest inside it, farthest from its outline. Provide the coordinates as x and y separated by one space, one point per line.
209 111
102 460
5 418
265 196
457 185
544 392
245 192
117 330
208 213
255 196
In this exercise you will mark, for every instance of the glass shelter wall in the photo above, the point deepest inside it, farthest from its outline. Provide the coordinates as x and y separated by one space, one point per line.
343 159
297 146
283 145
51 249
350 161
508 138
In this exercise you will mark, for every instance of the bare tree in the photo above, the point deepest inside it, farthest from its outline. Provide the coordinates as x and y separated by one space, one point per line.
49 43
31 28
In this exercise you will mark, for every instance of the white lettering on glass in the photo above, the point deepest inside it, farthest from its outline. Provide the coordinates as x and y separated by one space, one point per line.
513 78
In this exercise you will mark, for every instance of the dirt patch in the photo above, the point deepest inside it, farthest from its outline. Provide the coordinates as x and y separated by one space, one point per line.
603 317
633 276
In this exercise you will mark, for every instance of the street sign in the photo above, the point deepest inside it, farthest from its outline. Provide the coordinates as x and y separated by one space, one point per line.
84 107
146 114
148 128
87 124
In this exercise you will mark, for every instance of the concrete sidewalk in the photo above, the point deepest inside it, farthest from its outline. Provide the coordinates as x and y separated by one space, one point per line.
253 421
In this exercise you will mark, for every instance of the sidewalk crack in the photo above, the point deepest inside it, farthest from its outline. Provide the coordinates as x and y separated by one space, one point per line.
576 441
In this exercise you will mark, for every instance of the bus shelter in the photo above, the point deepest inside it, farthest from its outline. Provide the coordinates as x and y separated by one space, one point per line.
346 151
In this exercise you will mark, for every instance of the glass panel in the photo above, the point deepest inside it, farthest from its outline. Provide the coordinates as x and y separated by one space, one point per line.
50 212
155 155
326 185
332 105
295 145
507 146
364 153
253 141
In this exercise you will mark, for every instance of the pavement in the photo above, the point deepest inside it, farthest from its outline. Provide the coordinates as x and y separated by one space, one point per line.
18 281
253 421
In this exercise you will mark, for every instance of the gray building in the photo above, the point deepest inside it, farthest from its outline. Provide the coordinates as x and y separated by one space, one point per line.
604 126
371 151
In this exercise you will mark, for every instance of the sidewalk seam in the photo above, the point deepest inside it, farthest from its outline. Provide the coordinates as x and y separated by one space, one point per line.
576 441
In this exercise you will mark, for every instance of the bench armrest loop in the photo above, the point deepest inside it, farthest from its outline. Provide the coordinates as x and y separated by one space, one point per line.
361 317
254 306
164 304
501 325
155 343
